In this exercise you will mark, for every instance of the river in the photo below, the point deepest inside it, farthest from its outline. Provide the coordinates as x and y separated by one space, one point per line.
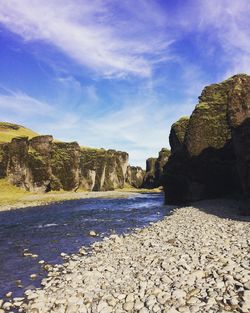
47 231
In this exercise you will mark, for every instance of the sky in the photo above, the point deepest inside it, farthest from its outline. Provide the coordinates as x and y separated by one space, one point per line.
116 74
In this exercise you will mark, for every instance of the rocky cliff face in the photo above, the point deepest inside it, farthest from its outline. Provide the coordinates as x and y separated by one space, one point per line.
210 157
40 164
103 169
149 178
135 176
154 169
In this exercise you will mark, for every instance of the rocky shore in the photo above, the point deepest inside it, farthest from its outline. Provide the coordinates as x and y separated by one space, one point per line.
195 260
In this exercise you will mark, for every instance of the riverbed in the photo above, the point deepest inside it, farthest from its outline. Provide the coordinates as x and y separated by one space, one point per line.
45 232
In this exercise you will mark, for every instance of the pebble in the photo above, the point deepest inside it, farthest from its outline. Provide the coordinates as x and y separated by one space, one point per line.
9 294
189 262
33 276
41 262
128 306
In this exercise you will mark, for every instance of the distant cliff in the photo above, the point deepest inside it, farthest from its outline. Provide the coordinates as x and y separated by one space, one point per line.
154 170
42 164
135 176
211 150
102 169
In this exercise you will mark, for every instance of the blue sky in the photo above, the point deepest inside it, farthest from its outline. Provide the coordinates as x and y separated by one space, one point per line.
116 74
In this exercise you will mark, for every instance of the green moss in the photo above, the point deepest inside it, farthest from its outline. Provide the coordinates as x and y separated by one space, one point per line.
202 106
36 155
179 129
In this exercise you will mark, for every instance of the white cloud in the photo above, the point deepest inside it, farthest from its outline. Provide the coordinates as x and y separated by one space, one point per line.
225 24
21 104
113 42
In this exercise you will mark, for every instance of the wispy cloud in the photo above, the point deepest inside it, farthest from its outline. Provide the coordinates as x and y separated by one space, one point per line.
18 107
140 129
21 104
225 26
112 38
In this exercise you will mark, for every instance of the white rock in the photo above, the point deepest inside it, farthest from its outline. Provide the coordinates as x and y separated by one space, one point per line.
33 276
178 294
128 306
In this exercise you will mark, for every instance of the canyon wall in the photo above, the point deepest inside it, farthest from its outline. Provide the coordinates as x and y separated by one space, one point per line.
135 176
154 170
210 151
41 164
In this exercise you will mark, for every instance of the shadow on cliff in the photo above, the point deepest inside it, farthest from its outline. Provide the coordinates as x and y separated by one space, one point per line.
211 175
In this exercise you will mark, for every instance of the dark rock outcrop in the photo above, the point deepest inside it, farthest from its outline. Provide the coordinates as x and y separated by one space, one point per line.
211 156
177 134
40 164
154 170
4 152
159 165
135 176
149 178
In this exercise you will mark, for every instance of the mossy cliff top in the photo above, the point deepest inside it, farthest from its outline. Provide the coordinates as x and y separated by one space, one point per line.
213 159
8 131
177 133
209 125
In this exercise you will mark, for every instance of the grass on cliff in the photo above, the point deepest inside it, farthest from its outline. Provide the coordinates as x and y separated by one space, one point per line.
9 131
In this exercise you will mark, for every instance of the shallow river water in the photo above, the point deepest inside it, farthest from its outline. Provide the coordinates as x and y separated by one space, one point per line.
64 227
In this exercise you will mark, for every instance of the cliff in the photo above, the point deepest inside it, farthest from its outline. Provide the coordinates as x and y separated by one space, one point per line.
41 164
102 169
154 169
211 149
135 176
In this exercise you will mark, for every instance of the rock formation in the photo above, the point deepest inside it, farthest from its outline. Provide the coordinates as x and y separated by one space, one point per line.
135 176
210 151
149 178
41 164
154 169
102 169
